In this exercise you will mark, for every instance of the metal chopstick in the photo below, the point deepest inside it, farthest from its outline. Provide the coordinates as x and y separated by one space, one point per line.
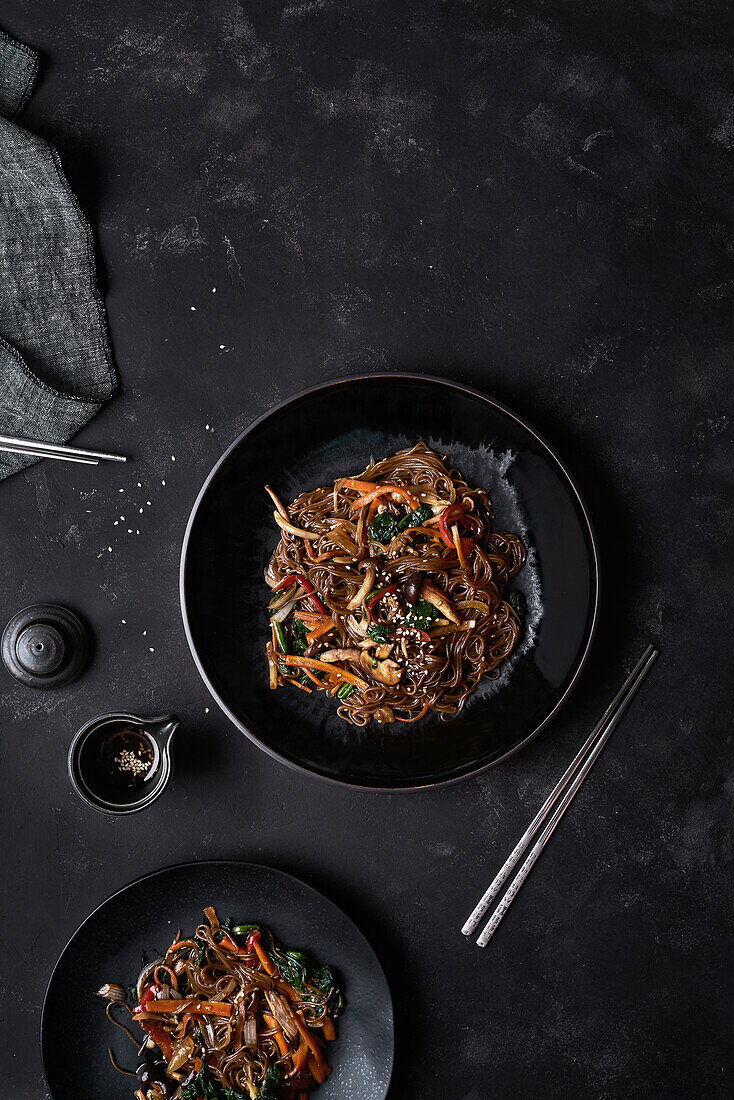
511 862
47 454
565 789
56 450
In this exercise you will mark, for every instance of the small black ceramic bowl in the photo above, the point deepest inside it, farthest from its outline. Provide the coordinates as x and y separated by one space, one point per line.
119 763
331 431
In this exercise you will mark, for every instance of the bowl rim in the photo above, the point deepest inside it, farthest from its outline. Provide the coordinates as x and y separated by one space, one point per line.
470 391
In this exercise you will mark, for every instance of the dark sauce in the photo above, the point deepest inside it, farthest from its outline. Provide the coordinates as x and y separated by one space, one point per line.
127 757
118 761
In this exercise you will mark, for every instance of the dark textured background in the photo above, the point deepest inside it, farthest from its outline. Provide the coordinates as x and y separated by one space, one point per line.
536 199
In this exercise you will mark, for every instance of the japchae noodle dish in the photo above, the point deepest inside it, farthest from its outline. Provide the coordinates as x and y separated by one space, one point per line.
390 590
229 1014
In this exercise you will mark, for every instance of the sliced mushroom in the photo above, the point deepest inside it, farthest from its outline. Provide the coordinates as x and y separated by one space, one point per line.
359 598
330 655
386 672
383 651
358 625
440 600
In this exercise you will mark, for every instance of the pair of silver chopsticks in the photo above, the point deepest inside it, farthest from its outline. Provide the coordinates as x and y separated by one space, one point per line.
555 805
60 451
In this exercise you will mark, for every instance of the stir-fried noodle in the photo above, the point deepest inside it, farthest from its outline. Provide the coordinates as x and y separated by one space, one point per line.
229 1014
390 590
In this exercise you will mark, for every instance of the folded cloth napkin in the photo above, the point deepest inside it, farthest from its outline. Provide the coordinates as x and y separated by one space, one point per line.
56 367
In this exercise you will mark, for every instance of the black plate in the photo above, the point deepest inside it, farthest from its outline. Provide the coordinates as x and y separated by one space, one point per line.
144 916
331 431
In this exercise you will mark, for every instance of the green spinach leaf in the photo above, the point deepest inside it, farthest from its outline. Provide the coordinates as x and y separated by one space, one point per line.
518 603
384 528
415 518
421 614
299 630
381 632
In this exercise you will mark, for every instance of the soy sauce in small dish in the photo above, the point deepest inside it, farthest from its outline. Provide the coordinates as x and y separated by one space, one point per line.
127 756
120 763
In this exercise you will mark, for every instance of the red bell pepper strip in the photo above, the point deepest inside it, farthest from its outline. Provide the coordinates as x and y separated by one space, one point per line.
159 1037
379 595
147 996
298 578
455 514
253 938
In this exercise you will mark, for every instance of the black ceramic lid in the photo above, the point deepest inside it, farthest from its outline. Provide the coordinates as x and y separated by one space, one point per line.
45 646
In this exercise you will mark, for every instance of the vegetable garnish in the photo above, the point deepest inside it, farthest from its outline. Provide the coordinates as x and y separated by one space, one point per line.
251 1020
305 583
518 603
450 518
392 564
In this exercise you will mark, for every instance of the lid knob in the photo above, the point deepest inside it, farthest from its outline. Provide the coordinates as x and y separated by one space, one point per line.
40 649
45 646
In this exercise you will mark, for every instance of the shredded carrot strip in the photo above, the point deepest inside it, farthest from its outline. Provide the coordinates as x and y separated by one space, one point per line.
311 676
459 547
328 1029
383 490
299 1061
181 943
279 1037
228 942
318 1056
264 960
324 666
317 631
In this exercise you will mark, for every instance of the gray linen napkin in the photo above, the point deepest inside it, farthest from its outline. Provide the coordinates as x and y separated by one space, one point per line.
56 367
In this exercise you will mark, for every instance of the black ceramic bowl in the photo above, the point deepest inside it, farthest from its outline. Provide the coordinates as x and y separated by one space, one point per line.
142 919
331 431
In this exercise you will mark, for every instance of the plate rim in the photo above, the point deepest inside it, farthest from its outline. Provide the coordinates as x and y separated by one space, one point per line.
187 864
389 376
